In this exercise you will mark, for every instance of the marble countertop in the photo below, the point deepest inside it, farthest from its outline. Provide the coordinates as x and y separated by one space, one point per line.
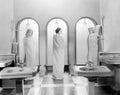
16 72
98 71
4 63
110 58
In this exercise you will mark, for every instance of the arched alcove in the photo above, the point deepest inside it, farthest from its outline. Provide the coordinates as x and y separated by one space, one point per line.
82 32
51 27
21 29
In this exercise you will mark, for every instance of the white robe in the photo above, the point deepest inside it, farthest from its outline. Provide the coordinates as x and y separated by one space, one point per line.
58 56
29 52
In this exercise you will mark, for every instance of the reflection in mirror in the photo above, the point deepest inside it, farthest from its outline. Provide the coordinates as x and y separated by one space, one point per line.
81 39
51 27
28 39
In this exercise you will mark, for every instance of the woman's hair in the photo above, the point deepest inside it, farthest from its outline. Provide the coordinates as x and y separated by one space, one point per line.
29 32
57 30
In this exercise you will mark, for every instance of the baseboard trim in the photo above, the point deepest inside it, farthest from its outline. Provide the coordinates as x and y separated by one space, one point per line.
49 68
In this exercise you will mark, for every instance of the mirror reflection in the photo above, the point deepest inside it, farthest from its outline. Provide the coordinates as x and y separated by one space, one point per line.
82 33
28 36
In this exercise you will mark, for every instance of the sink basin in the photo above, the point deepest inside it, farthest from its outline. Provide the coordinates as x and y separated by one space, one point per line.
93 72
16 72
87 68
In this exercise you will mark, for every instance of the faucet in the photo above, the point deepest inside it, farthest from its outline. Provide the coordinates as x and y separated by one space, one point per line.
37 69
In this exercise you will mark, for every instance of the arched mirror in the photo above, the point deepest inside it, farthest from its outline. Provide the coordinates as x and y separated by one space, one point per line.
82 33
52 25
28 42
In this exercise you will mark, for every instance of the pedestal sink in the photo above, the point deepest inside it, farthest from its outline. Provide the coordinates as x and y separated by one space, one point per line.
97 71
112 60
17 74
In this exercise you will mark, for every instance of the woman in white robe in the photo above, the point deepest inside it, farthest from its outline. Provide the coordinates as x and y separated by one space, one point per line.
58 55
29 49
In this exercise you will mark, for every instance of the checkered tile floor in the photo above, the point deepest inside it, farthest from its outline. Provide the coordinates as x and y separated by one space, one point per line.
68 86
